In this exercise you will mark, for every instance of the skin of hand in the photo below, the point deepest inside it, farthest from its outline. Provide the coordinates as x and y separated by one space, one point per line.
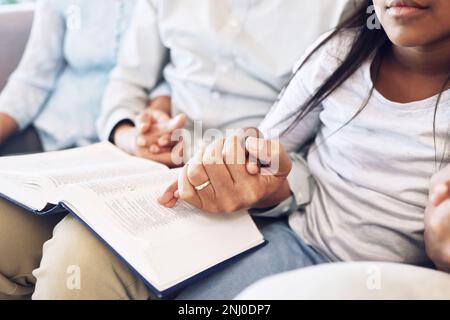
437 220
151 137
236 181
8 126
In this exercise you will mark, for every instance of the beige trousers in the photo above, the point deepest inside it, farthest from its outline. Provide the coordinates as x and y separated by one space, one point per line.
55 257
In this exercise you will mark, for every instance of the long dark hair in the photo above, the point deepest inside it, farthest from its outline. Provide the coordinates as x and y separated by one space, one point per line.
367 42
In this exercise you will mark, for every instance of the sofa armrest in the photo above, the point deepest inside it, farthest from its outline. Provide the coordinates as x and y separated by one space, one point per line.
15 26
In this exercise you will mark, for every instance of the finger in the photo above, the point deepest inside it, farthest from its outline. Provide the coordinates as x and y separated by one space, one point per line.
154 149
171 203
164 143
144 123
270 154
143 127
141 141
165 140
159 116
168 195
175 123
177 154
234 155
145 140
198 176
213 162
186 191
440 193
252 167
251 132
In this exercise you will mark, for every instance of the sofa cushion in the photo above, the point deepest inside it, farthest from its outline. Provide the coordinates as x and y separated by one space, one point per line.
15 25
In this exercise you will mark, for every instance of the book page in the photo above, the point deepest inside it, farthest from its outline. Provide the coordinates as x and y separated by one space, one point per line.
44 172
66 159
164 245
97 161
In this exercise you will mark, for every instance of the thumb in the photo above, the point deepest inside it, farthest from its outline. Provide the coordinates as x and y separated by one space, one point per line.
270 155
168 198
177 122
440 193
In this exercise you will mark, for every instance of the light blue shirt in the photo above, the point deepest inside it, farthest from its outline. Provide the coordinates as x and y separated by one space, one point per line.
60 81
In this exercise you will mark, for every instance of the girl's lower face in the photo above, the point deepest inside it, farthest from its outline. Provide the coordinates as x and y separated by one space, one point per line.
411 23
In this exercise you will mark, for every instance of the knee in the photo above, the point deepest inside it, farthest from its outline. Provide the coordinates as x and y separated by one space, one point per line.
21 238
20 248
73 260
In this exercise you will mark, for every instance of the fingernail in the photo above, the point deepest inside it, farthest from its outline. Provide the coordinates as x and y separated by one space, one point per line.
141 142
177 194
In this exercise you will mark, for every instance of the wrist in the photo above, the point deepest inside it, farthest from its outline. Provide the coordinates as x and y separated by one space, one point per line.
124 136
162 103
281 194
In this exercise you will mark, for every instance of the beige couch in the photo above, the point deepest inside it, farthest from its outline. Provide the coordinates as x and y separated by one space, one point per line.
15 25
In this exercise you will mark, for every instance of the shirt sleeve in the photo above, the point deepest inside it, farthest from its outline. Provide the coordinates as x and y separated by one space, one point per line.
162 90
34 79
302 185
139 69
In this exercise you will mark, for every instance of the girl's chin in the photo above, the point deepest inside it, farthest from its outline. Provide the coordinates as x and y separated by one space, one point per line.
408 36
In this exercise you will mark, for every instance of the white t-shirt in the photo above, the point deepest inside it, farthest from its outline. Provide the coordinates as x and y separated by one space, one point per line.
372 177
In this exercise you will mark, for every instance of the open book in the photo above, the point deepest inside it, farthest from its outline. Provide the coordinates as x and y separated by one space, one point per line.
115 196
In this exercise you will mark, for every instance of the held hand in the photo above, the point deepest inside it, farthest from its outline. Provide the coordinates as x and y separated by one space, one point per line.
126 138
440 187
437 235
216 179
155 126
437 220
155 130
151 138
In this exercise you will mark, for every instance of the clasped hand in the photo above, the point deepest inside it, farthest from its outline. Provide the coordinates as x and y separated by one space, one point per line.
232 174
151 137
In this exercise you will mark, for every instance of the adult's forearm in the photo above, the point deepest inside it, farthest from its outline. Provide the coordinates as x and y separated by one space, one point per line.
7 126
